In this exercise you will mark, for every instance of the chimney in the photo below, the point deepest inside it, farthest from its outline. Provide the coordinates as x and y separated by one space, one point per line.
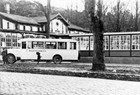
7 7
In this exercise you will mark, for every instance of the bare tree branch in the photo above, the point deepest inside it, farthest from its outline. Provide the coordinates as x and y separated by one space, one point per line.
47 15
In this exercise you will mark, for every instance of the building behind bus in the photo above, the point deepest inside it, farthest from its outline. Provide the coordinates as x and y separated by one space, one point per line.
14 27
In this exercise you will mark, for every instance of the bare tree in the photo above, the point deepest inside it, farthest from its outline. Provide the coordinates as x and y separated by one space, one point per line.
76 14
2 9
118 17
47 15
136 19
48 18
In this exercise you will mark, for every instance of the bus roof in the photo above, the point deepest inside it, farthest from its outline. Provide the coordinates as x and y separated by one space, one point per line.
45 39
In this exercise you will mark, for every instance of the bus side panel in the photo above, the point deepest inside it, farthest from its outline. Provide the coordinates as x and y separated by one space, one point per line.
24 54
49 54
30 54
71 55
65 54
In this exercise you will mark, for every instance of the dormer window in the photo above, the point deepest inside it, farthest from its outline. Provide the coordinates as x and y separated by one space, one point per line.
57 23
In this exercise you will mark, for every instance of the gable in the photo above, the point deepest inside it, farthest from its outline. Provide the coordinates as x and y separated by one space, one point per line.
42 19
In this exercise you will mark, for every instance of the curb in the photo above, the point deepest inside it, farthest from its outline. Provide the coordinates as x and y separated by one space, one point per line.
92 74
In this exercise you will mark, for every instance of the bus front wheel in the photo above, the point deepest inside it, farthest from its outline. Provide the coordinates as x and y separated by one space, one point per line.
11 59
57 59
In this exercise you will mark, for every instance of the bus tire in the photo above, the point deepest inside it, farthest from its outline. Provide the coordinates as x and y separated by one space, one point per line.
57 59
11 59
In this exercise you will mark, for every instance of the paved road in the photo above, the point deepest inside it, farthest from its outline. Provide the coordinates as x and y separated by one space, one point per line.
36 84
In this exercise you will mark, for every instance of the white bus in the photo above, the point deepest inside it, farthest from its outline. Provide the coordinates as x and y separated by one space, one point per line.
57 50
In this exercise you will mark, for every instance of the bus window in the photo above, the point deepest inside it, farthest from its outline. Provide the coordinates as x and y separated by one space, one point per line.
62 45
50 45
29 44
41 45
23 45
73 45
38 45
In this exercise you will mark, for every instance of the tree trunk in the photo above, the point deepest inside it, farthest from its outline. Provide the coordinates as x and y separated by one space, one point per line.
98 54
118 17
137 15
48 18
97 29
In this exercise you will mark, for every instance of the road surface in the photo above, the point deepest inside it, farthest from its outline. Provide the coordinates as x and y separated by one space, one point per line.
37 84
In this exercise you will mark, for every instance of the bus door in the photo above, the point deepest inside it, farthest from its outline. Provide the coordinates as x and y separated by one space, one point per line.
24 50
73 50
27 52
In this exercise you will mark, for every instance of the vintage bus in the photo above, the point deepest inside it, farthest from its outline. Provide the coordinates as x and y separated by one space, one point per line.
56 50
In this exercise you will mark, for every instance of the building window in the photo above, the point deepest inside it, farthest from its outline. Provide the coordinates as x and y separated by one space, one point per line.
31 28
24 27
23 45
2 39
0 23
62 45
72 45
14 40
57 23
62 29
121 42
136 42
38 28
8 40
106 42
7 25
19 36
17 26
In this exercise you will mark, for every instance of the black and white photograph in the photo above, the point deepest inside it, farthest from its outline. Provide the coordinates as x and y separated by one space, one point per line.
69 47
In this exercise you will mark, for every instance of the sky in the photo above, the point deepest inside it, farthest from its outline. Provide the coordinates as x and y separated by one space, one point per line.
64 3
130 4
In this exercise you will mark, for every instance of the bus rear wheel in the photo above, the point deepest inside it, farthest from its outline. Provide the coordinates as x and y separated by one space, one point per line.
57 59
11 59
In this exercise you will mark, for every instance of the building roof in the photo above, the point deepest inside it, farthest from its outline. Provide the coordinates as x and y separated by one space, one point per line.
73 27
42 19
20 19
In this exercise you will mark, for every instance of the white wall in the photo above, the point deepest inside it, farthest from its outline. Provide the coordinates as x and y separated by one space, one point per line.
60 28
11 25
21 27
57 28
34 28
28 28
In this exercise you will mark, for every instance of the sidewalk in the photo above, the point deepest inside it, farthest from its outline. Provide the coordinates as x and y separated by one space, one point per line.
36 84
